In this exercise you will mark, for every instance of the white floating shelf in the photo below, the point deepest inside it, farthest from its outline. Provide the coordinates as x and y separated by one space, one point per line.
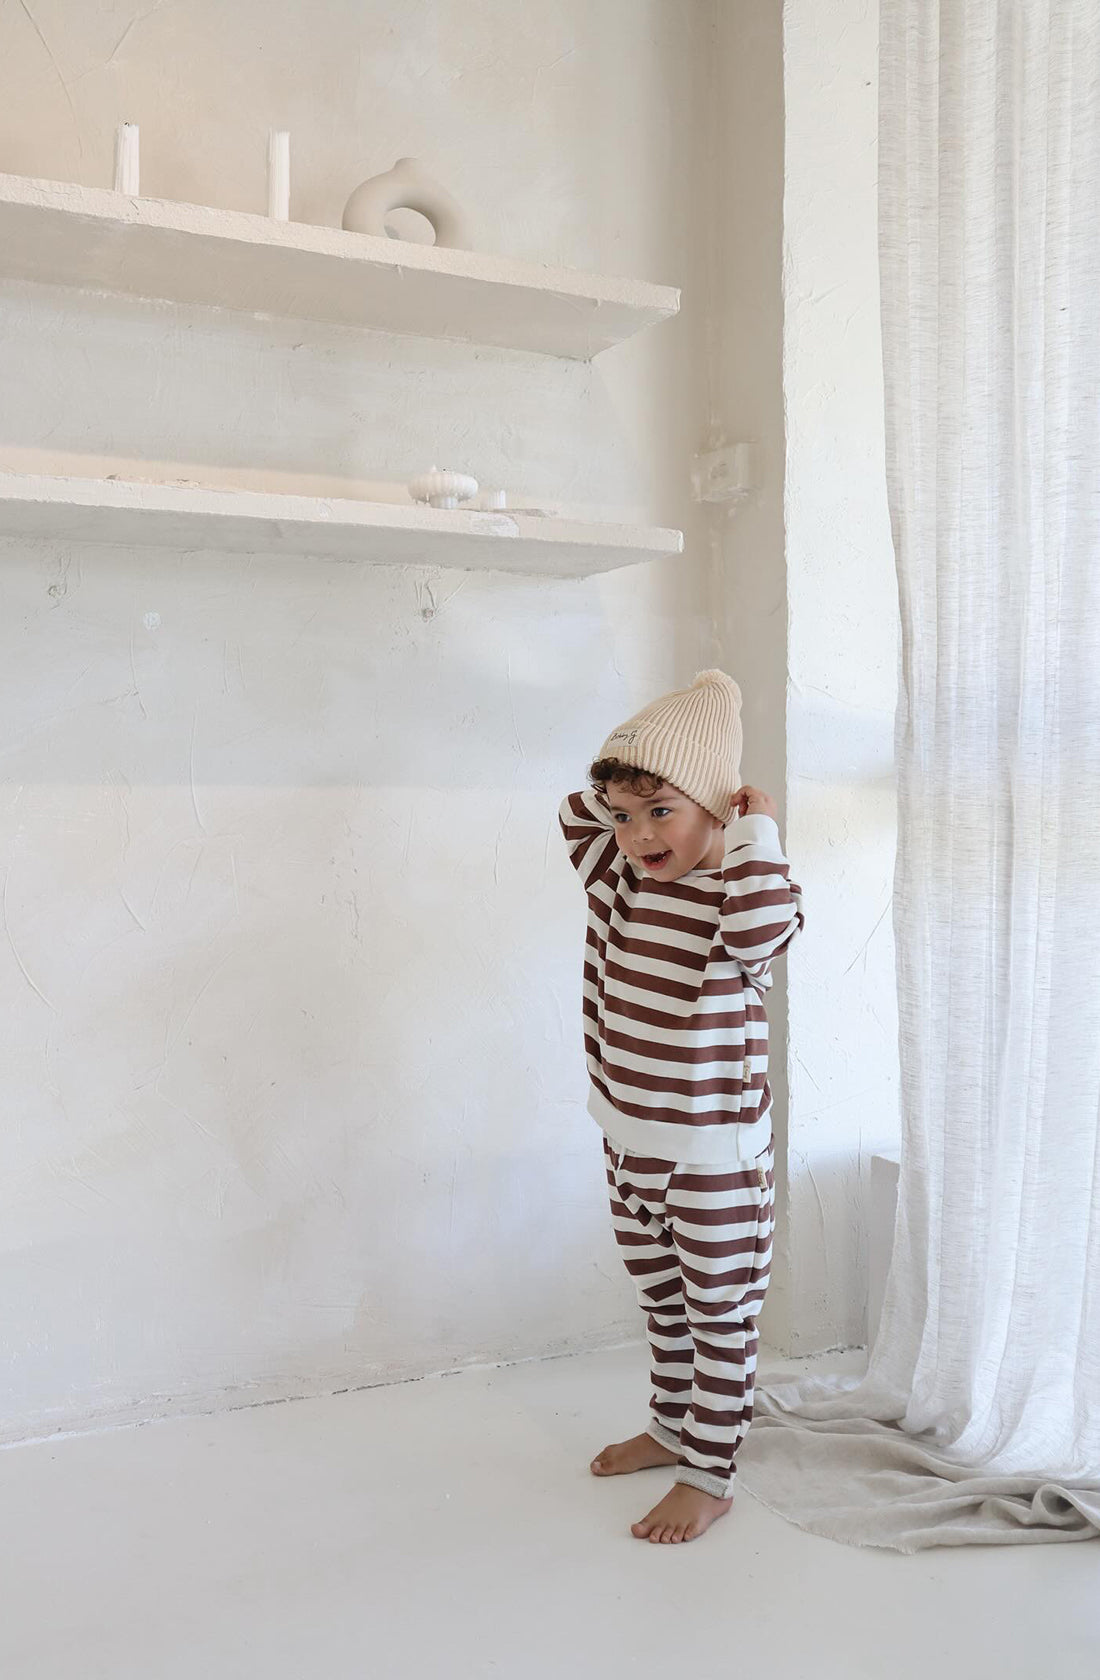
132 515
87 237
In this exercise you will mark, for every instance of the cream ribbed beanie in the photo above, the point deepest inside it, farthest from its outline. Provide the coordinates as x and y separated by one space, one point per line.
691 739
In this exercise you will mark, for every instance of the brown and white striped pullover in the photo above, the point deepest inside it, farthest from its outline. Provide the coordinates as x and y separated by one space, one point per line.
674 978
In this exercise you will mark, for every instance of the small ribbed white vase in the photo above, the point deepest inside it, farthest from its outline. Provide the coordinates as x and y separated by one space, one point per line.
443 489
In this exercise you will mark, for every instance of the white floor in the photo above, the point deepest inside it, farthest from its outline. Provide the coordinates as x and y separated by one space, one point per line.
450 1529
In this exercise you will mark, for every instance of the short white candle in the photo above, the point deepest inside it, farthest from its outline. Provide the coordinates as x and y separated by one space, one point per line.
278 175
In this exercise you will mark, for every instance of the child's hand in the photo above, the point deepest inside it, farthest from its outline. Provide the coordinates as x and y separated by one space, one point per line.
750 802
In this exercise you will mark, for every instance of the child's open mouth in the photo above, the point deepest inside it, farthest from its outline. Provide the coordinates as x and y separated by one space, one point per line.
656 860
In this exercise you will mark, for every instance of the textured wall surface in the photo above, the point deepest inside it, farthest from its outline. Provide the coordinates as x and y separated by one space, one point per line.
842 667
806 604
745 402
289 954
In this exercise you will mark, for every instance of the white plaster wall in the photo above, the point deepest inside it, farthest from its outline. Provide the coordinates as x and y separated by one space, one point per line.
804 581
289 955
842 667
745 403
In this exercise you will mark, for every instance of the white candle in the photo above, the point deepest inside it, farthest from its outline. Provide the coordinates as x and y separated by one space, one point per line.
126 159
278 175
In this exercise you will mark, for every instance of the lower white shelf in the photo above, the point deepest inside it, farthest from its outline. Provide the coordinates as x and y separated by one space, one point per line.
134 515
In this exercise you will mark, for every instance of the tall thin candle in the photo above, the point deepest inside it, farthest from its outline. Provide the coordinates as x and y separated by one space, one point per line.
278 175
126 159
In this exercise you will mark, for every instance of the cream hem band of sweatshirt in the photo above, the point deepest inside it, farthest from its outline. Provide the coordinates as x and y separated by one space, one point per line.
688 1146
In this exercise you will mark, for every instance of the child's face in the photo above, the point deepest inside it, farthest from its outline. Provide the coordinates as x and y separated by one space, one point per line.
664 833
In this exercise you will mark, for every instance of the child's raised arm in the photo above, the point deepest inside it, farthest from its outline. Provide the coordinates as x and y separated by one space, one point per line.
762 908
589 833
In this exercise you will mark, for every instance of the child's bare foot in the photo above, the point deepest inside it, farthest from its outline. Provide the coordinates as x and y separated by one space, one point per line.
641 1452
683 1514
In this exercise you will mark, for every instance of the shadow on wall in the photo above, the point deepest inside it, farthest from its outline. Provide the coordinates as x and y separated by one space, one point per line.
260 670
257 671
170 391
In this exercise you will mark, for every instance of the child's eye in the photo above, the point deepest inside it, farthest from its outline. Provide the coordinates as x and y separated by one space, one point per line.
660 810
620 817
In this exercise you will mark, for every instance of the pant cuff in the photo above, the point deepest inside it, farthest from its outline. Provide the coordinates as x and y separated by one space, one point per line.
707 1481
662 1434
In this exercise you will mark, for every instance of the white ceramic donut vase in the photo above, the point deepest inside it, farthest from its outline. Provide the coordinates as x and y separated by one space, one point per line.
406 187
443 489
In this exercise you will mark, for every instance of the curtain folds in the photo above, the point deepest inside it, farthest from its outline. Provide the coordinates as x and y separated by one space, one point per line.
979 1417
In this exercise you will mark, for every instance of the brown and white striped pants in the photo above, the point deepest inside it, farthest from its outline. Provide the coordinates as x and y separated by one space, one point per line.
697 1241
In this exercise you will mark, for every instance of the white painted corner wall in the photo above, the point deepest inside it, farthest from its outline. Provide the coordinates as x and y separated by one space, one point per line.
842 667
289 955
806 593
290 952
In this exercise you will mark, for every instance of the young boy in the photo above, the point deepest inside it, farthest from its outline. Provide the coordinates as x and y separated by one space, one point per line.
689 900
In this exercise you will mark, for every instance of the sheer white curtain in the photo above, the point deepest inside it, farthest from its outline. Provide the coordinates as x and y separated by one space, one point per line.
979 1418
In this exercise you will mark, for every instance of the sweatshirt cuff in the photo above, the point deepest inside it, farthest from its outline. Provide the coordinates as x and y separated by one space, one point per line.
758 830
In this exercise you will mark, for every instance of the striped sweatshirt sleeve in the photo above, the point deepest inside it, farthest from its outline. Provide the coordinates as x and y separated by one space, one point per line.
762 907
589 834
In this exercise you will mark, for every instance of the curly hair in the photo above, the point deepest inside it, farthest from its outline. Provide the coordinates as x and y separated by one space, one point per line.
612 771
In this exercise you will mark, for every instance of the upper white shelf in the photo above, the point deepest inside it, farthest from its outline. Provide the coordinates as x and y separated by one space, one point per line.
133 515
104 241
